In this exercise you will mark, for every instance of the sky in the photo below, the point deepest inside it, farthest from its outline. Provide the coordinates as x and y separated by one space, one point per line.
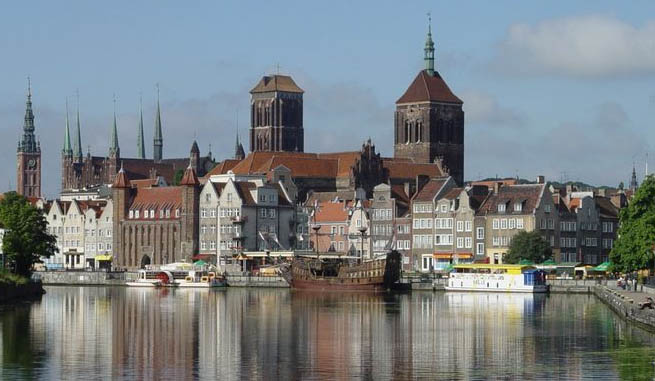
559 88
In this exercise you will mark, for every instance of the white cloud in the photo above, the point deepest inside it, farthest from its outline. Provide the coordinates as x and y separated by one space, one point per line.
481 107
583 46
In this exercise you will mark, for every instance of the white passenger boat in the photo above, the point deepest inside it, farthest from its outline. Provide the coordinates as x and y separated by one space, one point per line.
496 278
178 275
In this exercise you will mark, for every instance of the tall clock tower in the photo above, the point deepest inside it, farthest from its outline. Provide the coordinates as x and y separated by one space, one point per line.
28 156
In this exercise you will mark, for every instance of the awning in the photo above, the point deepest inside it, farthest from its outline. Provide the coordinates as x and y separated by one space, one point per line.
442 255
602 267
103 257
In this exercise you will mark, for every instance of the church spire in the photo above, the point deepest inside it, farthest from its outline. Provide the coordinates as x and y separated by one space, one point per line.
158 139
28 142
114 149
429 49
67 151
633 180
78 139
140 144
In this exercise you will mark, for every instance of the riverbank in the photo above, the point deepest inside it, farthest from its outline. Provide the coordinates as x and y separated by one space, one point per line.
26 291
626 305
84 278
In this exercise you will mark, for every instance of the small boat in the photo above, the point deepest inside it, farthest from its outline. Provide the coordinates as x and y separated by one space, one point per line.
497 278
178 275
341 274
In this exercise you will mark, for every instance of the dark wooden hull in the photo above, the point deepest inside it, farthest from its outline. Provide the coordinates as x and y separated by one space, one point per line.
335 284
377 275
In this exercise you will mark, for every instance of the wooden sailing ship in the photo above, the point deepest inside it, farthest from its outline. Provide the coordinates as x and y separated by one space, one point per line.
339 274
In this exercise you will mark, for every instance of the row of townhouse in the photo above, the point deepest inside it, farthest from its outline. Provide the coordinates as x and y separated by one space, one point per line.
452 225
248 213
84 233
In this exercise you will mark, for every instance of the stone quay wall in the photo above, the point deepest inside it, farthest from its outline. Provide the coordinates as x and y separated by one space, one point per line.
84 278
626 305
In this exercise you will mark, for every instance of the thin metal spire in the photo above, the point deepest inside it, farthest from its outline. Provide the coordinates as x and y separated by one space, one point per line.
114 149
158 138
140 143
67 140
78 139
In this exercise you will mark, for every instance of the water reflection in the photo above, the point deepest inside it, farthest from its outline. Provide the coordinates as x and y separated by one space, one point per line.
124 333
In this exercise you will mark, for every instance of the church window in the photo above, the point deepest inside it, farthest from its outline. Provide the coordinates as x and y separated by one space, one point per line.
406 131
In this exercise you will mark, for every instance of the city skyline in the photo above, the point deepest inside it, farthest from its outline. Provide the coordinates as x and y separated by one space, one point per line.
510 76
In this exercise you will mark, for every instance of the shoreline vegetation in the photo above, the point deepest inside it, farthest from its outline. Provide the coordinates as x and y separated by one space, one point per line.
15 287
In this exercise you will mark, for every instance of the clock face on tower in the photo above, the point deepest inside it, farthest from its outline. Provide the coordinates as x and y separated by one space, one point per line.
31 164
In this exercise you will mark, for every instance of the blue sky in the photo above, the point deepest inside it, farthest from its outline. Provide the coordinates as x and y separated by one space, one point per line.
561 88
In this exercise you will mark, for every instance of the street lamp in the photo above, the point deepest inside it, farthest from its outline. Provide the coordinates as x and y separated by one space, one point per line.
362 231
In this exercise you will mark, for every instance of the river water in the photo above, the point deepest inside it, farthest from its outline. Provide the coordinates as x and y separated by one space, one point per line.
127 333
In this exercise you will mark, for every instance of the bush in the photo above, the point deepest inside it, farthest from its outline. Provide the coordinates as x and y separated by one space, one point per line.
9 278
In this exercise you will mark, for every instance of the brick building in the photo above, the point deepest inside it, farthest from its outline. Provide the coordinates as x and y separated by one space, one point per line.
155 225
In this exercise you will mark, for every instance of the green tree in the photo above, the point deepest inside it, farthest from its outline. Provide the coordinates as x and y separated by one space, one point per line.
633 248
177 176
530 246
26 240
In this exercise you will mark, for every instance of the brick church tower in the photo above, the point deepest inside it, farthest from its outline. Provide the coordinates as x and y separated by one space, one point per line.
429 120
28 155
276 115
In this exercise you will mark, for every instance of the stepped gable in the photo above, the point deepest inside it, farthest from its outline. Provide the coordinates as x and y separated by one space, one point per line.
430 190
528 194
428 88
277 82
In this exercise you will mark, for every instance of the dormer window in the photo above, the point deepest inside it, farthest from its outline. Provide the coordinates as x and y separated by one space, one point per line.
168 213
136 214
131 214
161 213
518 206
177 213
501 207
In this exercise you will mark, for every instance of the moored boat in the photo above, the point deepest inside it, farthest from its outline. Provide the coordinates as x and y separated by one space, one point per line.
178 275
342 274
496 278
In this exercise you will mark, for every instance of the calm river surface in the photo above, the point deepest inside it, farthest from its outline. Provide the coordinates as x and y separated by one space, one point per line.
123 333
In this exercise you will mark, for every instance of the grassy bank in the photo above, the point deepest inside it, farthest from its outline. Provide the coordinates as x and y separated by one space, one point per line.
7 278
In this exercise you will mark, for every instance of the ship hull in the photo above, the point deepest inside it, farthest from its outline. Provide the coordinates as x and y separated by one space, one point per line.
376 275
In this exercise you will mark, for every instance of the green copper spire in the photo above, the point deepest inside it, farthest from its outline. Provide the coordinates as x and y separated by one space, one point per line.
28 142
67 151
140 144
429 49
77 152
114 149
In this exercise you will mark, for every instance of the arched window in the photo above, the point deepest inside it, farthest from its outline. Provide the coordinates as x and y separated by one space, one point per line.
406 131
417 135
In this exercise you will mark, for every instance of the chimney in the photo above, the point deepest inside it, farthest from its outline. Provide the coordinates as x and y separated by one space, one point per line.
497 186
569 189
541 179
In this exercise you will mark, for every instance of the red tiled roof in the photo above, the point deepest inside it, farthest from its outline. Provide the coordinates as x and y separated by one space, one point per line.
121 180
426 88
398 192
490 183
244 188
430 190
331 212
529 194
222 167
452 193
158 198
276 82
144 183
407 169
189 177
